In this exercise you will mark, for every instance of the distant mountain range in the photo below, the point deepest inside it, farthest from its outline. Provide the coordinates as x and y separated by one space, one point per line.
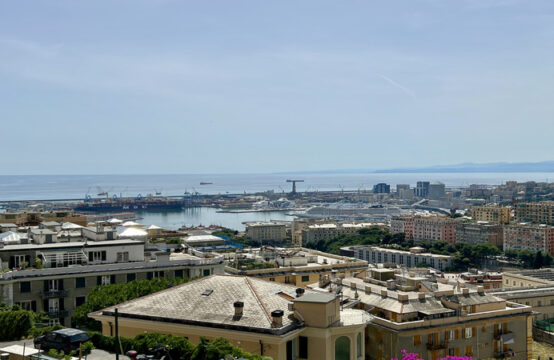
497 167
500 167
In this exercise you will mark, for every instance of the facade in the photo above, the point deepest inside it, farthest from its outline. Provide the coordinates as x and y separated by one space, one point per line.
434 228
528 278
377 255
264 232
300 224
489 280
260 317
436 191
35 218
422 189
531 237
301 266
450 320
540 298
381 188
491 213
535 212
480 233
403 224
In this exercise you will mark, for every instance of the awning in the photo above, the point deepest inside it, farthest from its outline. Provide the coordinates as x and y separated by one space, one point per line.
508 338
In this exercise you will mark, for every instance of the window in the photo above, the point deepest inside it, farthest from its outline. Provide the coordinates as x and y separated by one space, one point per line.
105 280
30 305
80 282
305 278
271 279
95 256
206 272
417 340
25 286
18 260
359 345
179 274
467 333
131 277
52 322
469 350
154 275
80 300
123 256
539 303
303 347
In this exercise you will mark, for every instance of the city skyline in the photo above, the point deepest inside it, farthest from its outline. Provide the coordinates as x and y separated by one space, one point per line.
181 87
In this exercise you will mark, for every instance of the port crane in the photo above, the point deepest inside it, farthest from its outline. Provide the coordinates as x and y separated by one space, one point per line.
294 185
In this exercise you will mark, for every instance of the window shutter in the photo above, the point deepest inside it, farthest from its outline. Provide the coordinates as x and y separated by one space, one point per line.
430 339
457 334
504 328
473 332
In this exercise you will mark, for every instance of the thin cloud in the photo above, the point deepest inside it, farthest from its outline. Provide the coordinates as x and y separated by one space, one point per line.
404 89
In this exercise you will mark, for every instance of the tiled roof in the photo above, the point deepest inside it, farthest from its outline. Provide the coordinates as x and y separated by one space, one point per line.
186 304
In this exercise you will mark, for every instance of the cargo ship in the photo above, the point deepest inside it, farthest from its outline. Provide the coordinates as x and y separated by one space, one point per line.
139 203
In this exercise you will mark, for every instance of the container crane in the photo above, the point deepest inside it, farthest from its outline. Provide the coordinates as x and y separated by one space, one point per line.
294 185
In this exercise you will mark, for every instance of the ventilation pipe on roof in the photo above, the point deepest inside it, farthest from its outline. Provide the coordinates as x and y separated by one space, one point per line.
368 289
299 292
481 290
421 296
277 317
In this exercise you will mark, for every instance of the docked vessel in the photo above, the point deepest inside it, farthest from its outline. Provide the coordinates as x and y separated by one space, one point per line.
116 204
205 183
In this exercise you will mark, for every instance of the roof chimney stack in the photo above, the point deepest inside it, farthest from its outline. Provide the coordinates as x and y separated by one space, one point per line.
277 317
299 292
239 307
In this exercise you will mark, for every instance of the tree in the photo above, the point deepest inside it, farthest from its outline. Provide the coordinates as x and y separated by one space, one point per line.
539 261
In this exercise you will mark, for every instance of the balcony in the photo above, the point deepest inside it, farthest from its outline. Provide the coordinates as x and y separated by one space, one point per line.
48 294
57 313
437 346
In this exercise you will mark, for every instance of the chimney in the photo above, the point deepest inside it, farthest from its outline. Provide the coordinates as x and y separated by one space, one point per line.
239 307
353 285
481 290
383 293
421 296
277 317
403 298
299 292
368 289
465 291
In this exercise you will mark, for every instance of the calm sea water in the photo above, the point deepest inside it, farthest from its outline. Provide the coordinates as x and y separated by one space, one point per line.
47 187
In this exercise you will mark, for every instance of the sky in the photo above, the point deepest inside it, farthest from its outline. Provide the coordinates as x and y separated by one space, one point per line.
160 86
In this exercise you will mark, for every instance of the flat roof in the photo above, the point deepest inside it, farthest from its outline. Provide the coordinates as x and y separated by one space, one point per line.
315 298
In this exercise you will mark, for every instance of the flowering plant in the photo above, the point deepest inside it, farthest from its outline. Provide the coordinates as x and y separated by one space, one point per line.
415 356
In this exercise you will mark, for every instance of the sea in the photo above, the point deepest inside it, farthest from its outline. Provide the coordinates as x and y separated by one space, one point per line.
58 187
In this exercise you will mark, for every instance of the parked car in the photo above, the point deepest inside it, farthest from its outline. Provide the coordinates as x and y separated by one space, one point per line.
63 339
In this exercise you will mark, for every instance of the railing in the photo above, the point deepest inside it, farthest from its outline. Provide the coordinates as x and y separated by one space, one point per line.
57 313
499 334
53 293
437 346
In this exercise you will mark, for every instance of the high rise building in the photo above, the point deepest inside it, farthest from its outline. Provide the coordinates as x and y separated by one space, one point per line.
436 191
381 188
491 213
422 189
535 212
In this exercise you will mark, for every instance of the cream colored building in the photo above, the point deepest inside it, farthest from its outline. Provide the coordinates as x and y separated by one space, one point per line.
435 319
535 212
316 232
267 231
540 298
261 317
491 213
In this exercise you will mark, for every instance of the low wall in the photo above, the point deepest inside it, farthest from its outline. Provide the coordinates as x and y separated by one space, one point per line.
543 336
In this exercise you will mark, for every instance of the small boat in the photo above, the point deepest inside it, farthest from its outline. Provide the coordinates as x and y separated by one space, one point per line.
205 183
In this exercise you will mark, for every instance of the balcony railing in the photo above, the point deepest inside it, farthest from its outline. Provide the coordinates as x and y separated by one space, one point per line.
53 293
499 334
57 313
437 346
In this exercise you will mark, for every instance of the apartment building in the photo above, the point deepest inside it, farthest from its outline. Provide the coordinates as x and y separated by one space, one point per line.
436 191
299 266
422 189
540 298
35 218
489 280
434 228
378 255
267 231
491 213
535 212
531 237
518 279
451 319
261 317
403 224
300 224
479 233
381 188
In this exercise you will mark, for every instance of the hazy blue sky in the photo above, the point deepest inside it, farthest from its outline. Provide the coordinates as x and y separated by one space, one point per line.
261 86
